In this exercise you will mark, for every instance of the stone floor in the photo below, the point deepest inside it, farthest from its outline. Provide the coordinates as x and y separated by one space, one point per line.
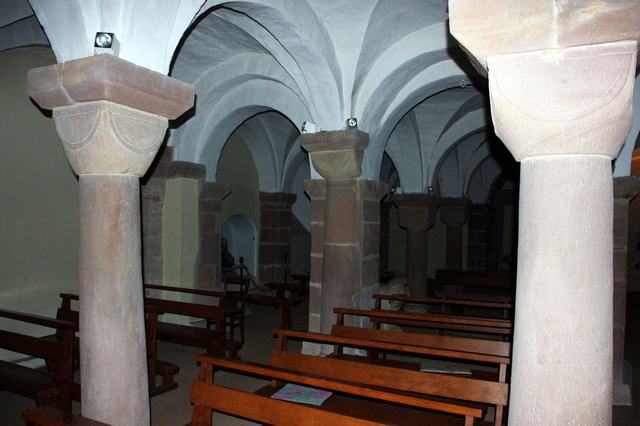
174 409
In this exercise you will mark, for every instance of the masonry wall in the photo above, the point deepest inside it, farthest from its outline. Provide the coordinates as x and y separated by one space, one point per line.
39 233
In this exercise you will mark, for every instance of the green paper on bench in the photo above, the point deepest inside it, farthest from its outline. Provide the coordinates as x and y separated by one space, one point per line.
303 394
443 368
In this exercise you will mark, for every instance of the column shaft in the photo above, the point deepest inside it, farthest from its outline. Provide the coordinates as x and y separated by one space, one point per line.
417 261
562 349
112 344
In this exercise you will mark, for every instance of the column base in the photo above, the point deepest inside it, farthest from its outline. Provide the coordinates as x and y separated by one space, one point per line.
622 391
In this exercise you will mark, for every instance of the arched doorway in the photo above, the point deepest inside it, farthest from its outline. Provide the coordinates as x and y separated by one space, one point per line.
240 233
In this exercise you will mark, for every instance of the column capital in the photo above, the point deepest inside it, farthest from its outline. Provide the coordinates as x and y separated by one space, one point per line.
496 27
371 189
416 210
277 198
626 187
214 191
573 101
336 154
110 114
454 211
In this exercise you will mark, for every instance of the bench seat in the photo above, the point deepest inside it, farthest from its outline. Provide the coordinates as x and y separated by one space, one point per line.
24 380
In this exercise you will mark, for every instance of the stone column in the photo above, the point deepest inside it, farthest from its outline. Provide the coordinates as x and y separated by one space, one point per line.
153 193
385 210
275 242
208 273
454 213
351 220
316 190
564 114
624 189
416 213
111 117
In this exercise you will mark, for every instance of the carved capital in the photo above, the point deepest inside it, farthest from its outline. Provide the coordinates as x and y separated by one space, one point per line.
316 189
106 138
626 187
454 211
563 101
416 211
336 155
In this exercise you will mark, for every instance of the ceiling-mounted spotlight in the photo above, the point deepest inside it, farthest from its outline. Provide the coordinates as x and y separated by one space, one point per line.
352 123
106 43
430 189
308 127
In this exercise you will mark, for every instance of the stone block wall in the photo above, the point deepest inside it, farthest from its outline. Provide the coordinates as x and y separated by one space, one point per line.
275 229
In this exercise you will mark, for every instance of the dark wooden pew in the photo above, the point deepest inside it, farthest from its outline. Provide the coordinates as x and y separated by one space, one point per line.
352 402
166 370
457 349
499 327
446 304
48 416
46 387
211 337
479 285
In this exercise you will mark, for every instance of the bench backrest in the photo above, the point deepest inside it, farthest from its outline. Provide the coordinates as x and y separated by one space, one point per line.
208 312
60 352
398 379
432 321
452 343
378 298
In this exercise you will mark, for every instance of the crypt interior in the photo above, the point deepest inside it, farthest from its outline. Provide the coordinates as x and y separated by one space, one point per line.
319 152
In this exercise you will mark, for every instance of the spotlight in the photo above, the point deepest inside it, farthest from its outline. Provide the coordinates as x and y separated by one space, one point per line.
308 127
106 43
352 123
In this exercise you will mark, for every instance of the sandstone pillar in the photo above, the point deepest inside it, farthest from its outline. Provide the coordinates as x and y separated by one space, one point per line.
153 194
624 189
208 273
564 114
454 213
111 117
416 213
351 243
316 190
275 242
478 237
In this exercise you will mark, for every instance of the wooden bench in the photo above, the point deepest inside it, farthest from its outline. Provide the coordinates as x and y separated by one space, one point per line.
478 284
166 370
499 327
46 387
211 337
375 341
444 303
283 304
352 402
49 416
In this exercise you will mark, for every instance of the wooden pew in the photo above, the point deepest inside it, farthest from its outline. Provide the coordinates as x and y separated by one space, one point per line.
420 345
499 327
504 308
351 404
457 349
44 386
212 337
479 285
166 370
49 416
